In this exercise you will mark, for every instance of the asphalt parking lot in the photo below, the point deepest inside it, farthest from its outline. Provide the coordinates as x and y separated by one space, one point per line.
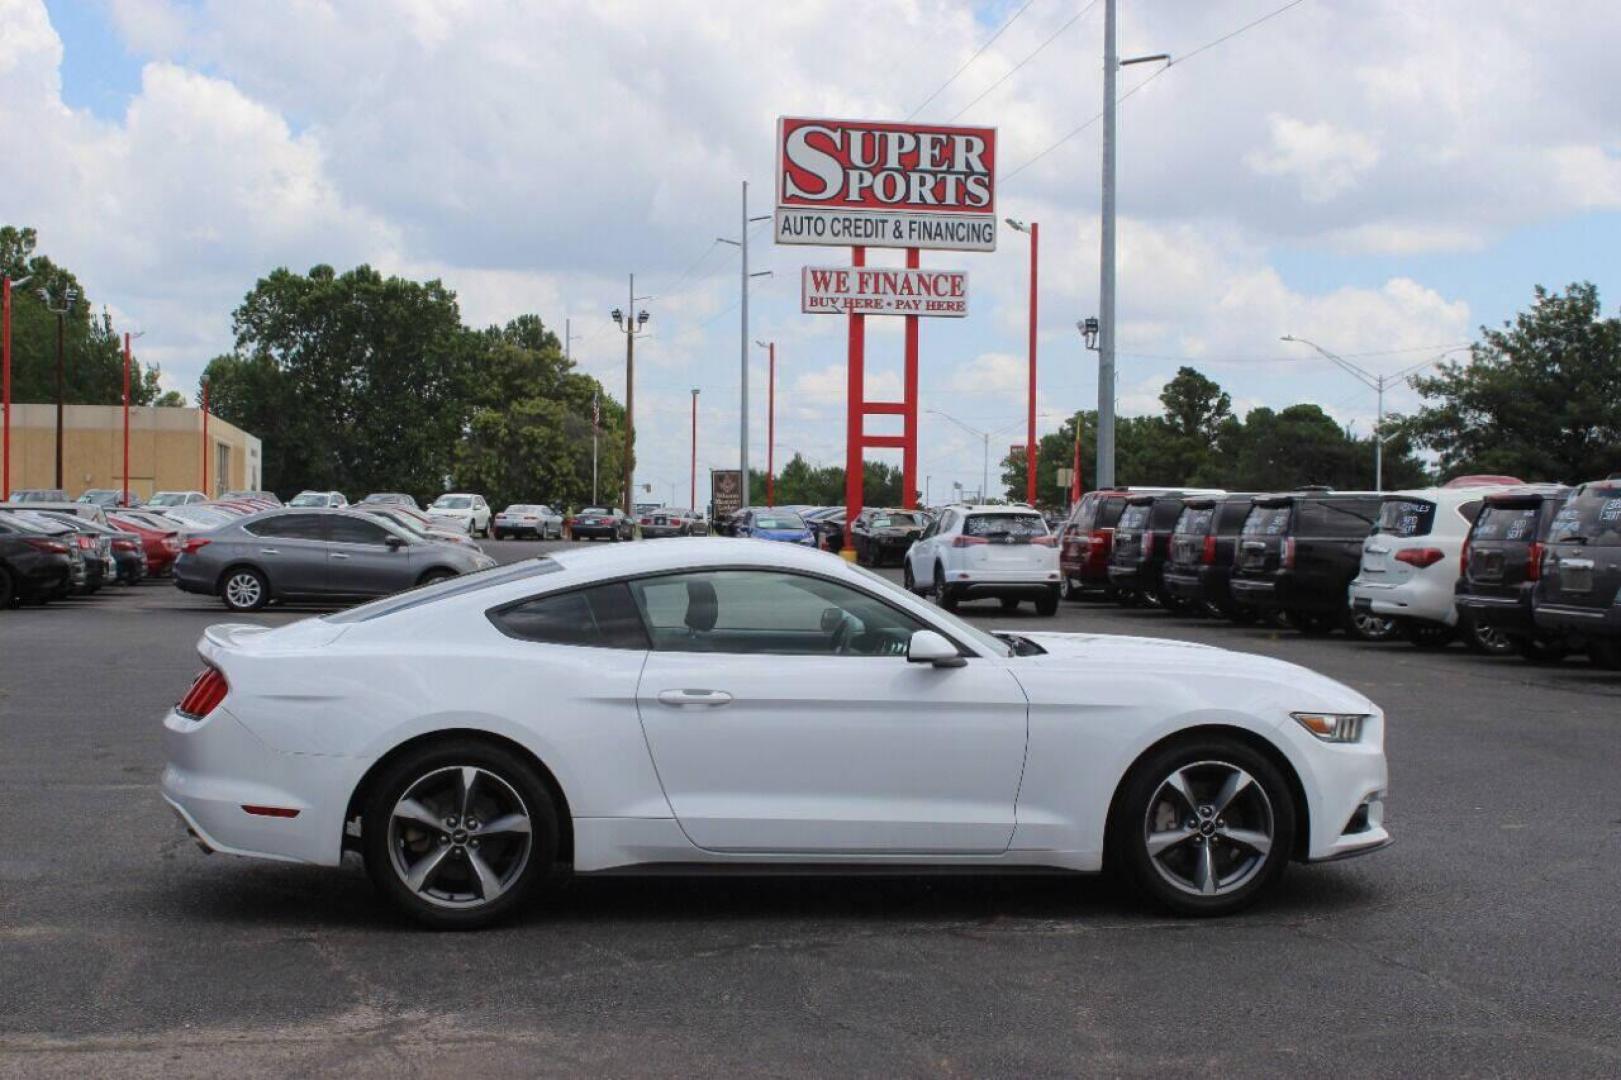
1486 941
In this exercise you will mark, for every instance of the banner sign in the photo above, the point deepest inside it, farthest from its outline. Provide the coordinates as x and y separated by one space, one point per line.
851 290
860 182
725 494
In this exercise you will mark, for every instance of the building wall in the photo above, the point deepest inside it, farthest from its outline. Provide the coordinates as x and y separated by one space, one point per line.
165 450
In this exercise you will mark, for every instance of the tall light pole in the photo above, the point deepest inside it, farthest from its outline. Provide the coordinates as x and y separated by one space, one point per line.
6 285
985 436
1106 292
1034 230
127 337
692 497
1378 384
770 423
205 437
630 322
742 244
70 296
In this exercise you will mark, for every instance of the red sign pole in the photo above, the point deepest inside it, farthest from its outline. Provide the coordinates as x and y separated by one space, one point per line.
125 500
855 391
5 365
909 399
1030 430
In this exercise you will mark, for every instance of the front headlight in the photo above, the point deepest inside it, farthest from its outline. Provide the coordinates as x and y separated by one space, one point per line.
1332 727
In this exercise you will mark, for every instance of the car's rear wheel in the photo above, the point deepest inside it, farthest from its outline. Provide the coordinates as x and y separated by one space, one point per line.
1429 635
435 575
1203 825
244 589
1370 627
456 835
1485 638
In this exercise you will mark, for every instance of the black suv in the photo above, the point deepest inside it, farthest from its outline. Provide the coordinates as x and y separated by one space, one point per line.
1579 591
1297 554
1142 544
1200 566
881 536
1502 563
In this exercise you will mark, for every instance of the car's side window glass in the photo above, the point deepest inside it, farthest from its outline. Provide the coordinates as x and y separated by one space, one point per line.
602 617
289 527
767 611
347 530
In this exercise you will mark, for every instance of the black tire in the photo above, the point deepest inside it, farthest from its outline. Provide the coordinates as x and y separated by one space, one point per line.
1313 623
1010 603
1071 591
1429 635
1542 650
1205 758
1486 639
1605 653
436 574
387 844
499 535
1370 627
942 592
1047 603
908 582
242 588
8 590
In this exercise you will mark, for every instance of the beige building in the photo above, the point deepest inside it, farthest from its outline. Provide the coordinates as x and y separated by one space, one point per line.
165 450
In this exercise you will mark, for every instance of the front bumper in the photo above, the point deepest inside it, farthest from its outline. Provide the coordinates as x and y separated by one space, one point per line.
1346 787
216 767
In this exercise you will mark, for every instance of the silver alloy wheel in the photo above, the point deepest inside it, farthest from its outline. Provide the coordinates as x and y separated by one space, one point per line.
1209 828
1371 627
459 837
242 589
1491 639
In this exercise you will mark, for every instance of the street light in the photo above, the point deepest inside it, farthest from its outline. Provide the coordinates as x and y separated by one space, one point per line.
985 475
128 337
1376 383
6 285
1089 331
630 326
770 424
693 496
70 297
1034 231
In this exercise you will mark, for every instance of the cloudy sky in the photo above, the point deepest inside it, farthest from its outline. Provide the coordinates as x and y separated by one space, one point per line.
1381 177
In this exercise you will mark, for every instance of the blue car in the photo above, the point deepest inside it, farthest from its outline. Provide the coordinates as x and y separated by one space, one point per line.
783 525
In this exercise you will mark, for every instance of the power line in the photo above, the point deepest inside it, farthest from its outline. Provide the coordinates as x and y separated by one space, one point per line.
977 53
1077 17
1206 47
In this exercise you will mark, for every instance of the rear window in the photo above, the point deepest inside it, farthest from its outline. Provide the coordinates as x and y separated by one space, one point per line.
1099 512
443 590
1004 525
1507 523
1195 521
1593 516
1406 517
895 521
1265 521
1135 516
1318 519
778 521
601 617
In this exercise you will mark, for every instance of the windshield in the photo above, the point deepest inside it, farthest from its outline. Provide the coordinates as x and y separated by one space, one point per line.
988 642
168 498
403 521
778 521
453 502
1594 516
1004 525
198 516
520 508
595 511
895 521
309 498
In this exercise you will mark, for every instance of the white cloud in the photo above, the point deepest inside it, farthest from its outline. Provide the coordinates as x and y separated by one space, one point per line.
1326 160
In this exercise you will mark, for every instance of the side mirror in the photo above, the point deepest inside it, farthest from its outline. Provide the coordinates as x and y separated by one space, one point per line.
928 647
395 543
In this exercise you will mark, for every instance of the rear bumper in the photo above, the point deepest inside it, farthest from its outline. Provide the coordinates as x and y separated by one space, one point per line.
653 532
1505 612
1281 591
43 576
1417 599
592 532
999 583
1574 619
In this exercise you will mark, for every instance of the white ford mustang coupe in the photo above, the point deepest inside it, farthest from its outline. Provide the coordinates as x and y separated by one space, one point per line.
704 704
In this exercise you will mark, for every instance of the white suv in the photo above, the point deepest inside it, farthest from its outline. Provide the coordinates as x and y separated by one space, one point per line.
968 552
1410 565
462 510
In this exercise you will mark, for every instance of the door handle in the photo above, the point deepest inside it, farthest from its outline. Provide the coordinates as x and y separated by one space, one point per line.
681 698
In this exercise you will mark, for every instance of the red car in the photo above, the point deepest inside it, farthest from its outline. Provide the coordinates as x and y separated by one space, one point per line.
1085 541
160 546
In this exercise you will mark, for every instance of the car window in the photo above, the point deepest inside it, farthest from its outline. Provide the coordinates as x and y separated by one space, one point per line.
1004 525
769 611
352 530
1594 516
894 521
779 521
1510 523
1266 521
1109 511
1195 521
1406 517
1323 519
1135 516
453 502
602 617
289 527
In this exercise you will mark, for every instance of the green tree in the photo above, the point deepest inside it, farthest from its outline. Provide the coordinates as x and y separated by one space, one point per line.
799 483
92 349
1540 398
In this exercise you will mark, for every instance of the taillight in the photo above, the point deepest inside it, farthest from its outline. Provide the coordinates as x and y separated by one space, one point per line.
86 543
1420 557
1289 553
1463 559
647 521
1533 566
207 691
1045 541
967 541
195 544
50 547
1209 555
171 543
123 545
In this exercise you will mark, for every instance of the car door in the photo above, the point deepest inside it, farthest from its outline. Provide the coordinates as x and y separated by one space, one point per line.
360 561
291 549
783 717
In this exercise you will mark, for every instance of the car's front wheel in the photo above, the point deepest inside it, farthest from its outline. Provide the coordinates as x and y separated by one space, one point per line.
1203 826
908 582
457 834
244 589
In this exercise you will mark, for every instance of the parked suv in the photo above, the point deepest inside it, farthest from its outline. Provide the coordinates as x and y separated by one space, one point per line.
1140 549
1579 591
1200 564
881 536
1297 554
314 554
1003 552
1411 563
464 510
1087 536
1501 563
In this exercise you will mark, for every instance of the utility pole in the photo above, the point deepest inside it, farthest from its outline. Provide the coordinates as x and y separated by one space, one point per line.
205 436
70 296
742 244
596 429
770 423
1034 231
6 285
693 495
630 322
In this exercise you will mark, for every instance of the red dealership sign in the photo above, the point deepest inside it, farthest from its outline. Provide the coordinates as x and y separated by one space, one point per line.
876 290
860 182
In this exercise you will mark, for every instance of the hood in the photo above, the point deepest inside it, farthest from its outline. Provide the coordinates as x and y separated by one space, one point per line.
782 534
